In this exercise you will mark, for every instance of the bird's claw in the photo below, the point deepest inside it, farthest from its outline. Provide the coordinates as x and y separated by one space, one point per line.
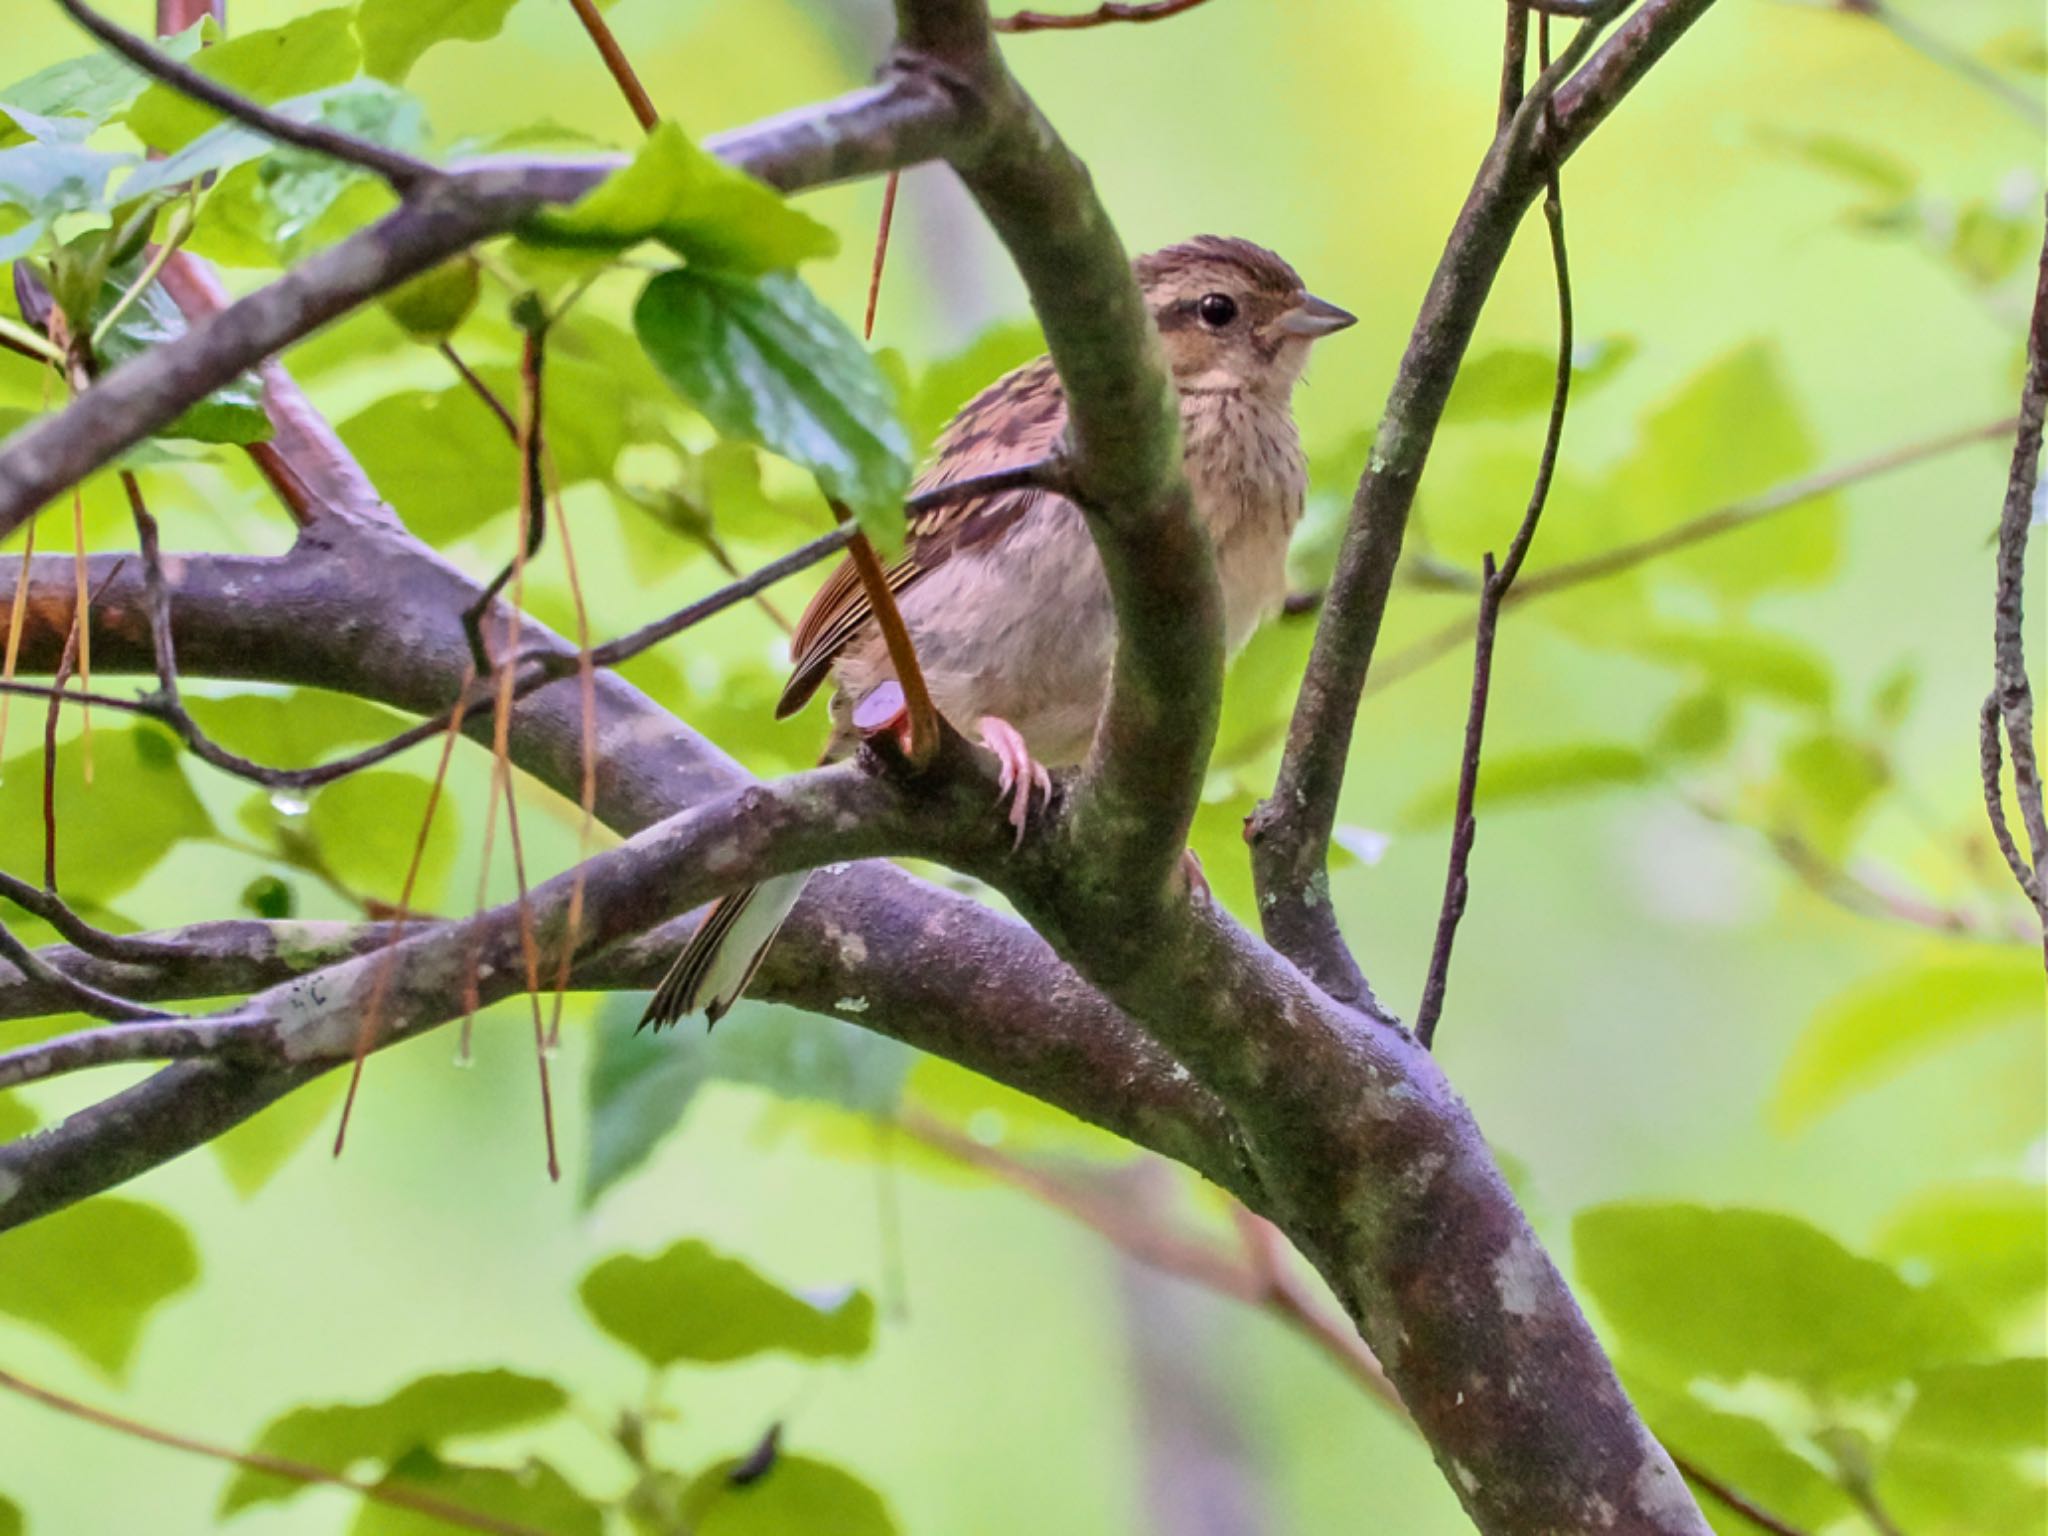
1022 776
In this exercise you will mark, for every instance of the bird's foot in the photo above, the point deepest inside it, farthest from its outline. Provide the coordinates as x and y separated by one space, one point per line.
1022 776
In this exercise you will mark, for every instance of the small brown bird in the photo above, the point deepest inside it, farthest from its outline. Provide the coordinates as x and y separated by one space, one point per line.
1004 594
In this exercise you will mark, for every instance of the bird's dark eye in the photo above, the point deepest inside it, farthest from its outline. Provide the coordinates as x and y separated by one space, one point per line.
1216 309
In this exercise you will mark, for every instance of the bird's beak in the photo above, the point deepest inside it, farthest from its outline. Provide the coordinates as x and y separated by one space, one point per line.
1314 317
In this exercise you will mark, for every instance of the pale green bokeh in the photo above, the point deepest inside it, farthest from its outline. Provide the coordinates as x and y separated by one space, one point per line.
1631 977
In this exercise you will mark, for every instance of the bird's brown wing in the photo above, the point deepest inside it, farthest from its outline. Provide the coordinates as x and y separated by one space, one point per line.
1018 418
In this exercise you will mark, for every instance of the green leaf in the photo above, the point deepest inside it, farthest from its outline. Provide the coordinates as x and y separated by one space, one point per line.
11 1523
692 202
423 1415
46 181
365 827
797 1494
1934 1490
1696 725
93 1273
1741 1452
1513 383
1728 1293
1734 430
231 414
1884 1024
642 1083
767 363
266 66
252 1153
396 33
93 86
1867 167
1984 1241
446 463
1744 661
17 1119
1999 1405
431 307
110 832
534 1495
1506 778
1827 781
692 1303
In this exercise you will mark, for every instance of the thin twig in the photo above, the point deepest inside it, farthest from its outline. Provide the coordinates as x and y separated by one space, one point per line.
867 326
1698 530
1748 1508
85 998
481 390
401 170
1493 591
2013 694
276 1466
616 61
917 698
1102 15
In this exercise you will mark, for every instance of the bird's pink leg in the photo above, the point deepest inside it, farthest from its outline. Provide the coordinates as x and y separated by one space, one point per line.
1022 773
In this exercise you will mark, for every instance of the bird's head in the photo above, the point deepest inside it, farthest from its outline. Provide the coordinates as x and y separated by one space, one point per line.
1232 315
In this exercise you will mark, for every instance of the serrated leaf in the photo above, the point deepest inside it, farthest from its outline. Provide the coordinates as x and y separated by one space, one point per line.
422 1415
266 66
693 1303
642 1083
111 832
396 33
92 1275
365 827
1984 1241
1884 1024
1540 773
533 1495
1727 1293
798 1493
767 363
253 1152
704 210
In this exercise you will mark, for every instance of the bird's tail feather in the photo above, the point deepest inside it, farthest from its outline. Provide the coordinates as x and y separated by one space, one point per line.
719 962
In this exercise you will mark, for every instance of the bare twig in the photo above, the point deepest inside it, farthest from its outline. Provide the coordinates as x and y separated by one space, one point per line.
403 172
1698 530
1493 591
393 1495
888 217
2011 706
1290 831
84 998
1746 1507
1102 15
616 61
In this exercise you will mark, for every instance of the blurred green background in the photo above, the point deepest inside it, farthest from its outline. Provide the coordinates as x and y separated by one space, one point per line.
1802 242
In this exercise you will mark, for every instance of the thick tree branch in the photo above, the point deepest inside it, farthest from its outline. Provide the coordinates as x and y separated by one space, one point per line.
910 117
985 992
1290 832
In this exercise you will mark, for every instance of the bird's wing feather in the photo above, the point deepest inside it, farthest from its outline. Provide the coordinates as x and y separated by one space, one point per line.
1018 418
